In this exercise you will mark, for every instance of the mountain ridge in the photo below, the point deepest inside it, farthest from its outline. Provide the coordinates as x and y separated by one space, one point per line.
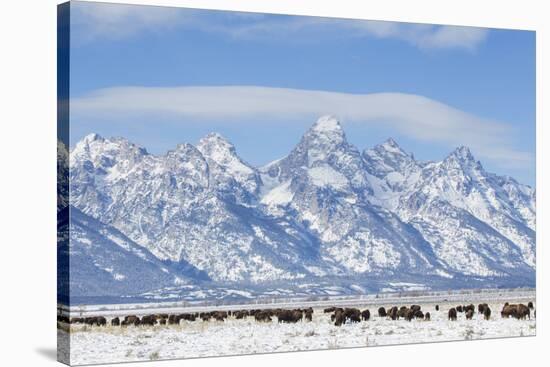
326 210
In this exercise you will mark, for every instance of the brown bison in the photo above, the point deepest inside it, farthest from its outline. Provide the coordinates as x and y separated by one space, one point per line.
523 312
517 311
77 320
352 314
131 320
115 321
459 309
329 309
486 313
409 314
339 318
452 314
392 313
427 316
365 315
382 312
289 316
95 320
470 307
402 312
149 320
469 314
262 316
481 307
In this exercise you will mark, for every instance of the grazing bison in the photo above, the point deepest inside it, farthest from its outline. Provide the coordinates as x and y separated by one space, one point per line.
115 322
329 310
77 320
339 318
419 314
289 316
470 307
308 314
523 312
131 320
416 308
508 310
487 313
365 315
96 320
352 314
149 320
382 312
392 313
427 316
452 314
173 320
402 312
481 307
262 316
240 314
221 315
469 314
437 307
517 311
409 314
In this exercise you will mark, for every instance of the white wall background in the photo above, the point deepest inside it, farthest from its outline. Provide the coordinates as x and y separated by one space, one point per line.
27 180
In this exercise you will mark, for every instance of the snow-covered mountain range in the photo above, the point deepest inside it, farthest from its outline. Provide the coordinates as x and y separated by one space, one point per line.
325 214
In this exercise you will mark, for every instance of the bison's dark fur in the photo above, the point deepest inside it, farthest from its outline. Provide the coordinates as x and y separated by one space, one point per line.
115 322
382 312
131 320
452 314
365 315
487 313
263 316
427 316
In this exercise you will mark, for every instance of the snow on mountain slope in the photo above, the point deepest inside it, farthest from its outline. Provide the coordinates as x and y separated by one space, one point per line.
458 206
325 211
185 206
104 262
328 189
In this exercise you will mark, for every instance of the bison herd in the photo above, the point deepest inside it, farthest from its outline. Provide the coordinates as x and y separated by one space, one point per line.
518 311
339 315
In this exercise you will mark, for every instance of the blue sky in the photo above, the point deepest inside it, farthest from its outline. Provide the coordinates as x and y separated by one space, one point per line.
264 79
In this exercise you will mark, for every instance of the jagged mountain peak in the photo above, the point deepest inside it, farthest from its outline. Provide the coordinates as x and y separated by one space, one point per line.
215 141
388 148
391 146
462 158
463 153
92 137
327 123
327 129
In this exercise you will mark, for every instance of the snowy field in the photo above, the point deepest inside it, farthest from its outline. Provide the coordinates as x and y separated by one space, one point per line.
90 345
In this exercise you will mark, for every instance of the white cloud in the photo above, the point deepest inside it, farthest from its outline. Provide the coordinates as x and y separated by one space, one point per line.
415 116
120 21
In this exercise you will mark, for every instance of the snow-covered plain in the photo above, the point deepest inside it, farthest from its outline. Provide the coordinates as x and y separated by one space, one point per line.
201 339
